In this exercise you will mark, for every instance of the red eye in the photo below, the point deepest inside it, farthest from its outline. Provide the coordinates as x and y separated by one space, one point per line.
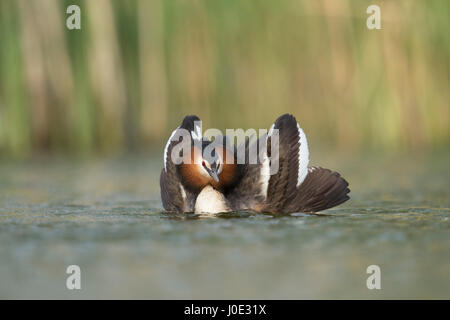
203 163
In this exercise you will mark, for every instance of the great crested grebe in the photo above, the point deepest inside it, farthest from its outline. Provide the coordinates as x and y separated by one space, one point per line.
208 183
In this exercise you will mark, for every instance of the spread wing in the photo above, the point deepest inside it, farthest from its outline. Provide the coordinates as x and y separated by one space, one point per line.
281 181
322 189
174 195
297 187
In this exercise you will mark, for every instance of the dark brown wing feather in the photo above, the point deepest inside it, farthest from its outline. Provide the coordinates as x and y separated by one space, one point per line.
322 189
171 194
249 194
282 185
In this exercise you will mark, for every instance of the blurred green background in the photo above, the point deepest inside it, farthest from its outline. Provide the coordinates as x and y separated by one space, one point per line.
128 77
373 103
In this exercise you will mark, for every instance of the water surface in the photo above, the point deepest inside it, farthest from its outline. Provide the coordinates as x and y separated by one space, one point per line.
106 216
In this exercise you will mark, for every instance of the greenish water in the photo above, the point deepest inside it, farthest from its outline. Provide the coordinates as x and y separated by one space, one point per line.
105 216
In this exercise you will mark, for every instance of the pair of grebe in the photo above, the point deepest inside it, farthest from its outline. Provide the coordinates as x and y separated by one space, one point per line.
208 183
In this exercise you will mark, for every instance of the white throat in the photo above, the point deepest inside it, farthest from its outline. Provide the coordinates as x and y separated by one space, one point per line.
210 200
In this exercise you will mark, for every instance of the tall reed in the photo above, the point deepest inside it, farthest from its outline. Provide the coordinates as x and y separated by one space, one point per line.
127 78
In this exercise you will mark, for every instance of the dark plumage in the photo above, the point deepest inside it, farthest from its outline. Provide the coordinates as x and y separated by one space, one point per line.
213 185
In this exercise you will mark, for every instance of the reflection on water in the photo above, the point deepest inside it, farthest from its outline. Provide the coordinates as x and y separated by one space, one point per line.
105 216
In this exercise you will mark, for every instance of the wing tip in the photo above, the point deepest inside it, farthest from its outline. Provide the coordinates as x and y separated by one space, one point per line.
286 119
322 189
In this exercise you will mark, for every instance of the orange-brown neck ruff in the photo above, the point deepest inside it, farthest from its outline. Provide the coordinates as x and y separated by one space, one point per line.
196 179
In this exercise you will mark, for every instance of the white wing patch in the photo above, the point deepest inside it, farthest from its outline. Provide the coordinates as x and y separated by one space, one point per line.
264 175
303 156
183 193
271 130
167 147
303 161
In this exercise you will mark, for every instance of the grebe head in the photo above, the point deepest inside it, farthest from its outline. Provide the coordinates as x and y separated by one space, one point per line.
211 162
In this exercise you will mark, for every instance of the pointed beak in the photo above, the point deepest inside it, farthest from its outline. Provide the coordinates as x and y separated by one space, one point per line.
213 174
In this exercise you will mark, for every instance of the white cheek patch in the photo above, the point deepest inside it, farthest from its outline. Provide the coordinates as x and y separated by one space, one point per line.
203 171
219 163
198 160
303 156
